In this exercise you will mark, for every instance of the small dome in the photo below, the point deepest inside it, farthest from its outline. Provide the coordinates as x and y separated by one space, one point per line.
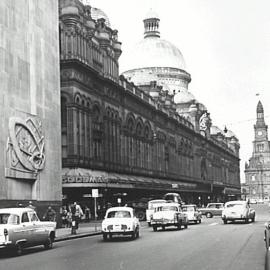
229 134
97 13
184 97
214 130
151 14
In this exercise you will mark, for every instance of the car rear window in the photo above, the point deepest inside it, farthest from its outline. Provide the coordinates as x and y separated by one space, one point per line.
9 218
119 214
188 208
235 205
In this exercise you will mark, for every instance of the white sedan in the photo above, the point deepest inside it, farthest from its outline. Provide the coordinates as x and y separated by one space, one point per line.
120 221
238 210
21 228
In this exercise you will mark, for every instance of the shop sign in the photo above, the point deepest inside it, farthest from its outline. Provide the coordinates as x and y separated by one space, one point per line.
83 179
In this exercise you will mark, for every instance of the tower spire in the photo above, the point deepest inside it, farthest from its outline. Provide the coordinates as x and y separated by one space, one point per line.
260 114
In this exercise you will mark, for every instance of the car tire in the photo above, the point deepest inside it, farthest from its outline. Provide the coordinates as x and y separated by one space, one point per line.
133 235
200 221
163 228
253 219
186 226
154 228
49 243
225 221
105 236
209 215
19 249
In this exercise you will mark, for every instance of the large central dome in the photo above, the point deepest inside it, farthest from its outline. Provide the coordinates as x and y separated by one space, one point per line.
155 52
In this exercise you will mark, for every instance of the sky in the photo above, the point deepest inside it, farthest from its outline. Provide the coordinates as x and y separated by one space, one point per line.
226 47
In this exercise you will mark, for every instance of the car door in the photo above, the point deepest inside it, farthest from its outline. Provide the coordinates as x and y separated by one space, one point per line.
39 235
27 228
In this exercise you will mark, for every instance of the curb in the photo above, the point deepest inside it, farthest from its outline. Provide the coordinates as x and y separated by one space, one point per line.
75 236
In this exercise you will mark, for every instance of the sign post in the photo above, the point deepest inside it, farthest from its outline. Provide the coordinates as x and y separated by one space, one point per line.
95 195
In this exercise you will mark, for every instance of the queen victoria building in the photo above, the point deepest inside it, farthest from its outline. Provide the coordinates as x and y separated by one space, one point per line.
137 135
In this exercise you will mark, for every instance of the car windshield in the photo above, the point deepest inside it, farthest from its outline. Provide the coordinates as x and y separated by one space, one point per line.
119 214
153 204
188 208
167 208
9 219
235 205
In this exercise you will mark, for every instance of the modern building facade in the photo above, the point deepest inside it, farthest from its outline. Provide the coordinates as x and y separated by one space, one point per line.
30 140
257 169
129 139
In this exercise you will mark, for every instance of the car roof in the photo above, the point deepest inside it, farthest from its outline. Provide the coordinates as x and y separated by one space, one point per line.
158 200
16 210
189 205
120 208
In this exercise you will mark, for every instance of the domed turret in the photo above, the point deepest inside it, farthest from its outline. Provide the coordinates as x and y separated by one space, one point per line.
156 55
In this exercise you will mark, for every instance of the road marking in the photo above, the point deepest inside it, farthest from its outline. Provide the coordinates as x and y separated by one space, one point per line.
213 224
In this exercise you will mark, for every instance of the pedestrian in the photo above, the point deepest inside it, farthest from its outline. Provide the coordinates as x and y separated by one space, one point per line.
77 213
87 213
30 205
64 217
50 214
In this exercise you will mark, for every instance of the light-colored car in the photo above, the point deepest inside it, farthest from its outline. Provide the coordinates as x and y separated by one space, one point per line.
238 210
120 221
150 209
212 209
169 214
194 215
21 228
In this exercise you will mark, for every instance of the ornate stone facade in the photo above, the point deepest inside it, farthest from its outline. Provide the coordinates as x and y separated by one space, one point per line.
124 139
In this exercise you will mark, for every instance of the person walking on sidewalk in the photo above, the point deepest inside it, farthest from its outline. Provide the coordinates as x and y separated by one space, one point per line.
77 213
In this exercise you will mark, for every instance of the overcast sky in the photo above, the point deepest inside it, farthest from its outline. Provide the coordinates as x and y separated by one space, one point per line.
226 47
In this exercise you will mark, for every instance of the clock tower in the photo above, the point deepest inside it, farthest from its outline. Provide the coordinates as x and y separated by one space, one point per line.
257 170
260 144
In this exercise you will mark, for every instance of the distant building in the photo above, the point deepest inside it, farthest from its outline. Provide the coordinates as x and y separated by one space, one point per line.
257 169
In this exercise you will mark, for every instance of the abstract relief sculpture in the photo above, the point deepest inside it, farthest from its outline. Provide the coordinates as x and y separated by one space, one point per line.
25 148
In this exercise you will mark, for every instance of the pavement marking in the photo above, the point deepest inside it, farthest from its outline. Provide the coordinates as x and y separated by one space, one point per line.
213 224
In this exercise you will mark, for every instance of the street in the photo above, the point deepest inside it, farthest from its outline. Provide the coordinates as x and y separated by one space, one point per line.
207 246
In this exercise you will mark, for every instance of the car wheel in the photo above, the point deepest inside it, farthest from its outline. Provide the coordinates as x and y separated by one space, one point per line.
49 243
105 236
246 220
208 215
186 226
163 228
19 249
200 221
133 235
225 221
138 233
154 228
253 219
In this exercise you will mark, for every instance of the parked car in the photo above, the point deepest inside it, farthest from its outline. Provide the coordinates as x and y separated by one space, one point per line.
267 235
238 210
169 214
194 215
212 209
120 221
150 210
21 228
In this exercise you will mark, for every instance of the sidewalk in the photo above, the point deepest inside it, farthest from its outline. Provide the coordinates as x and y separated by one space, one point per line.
85 229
